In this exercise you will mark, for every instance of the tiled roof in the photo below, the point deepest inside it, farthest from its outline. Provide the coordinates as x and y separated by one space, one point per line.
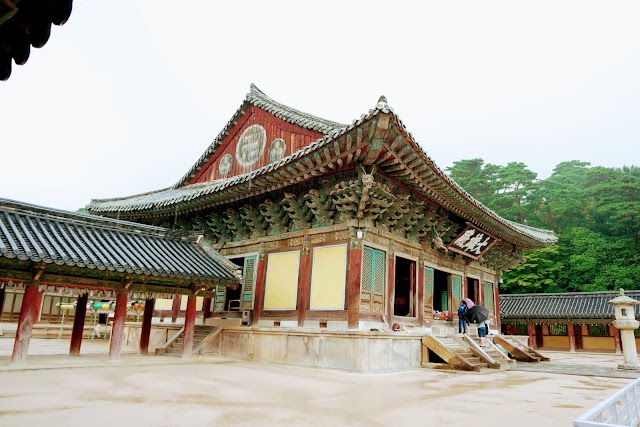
439 185
39 234
26 23
259 99
576 305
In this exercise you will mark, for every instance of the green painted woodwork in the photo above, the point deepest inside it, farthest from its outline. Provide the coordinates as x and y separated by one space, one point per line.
219 299
489 302
429 276
373 279
456 288
248 275
298 211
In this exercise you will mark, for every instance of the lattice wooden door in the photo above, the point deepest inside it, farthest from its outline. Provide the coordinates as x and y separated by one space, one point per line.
373 277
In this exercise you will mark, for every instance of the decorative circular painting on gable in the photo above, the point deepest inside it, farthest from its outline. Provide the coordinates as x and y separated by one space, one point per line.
277 150
225 164
251 144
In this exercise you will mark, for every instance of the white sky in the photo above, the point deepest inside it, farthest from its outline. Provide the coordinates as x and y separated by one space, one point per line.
128 94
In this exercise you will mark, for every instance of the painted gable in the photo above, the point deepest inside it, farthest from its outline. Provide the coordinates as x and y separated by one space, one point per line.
256 140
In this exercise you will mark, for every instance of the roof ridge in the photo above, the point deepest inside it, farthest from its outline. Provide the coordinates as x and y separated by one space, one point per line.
76 217
288 113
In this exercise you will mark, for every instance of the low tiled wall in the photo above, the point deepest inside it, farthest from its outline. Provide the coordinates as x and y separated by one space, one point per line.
345 350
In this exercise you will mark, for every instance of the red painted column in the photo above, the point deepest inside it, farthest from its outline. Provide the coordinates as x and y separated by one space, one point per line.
78 325
28 317
117 330
496 302
420 293
388 291
304 280
189 328
206 309
175 309
2 293
353 283
530 332
261 277
145 331
615 332
572 338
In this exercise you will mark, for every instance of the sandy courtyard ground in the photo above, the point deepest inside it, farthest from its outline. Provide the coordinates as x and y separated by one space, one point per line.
56 390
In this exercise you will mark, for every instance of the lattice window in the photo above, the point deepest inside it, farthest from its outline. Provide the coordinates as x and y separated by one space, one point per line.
429 274
598 330
247 283
456 288
219 299
488 296
560 330
373 279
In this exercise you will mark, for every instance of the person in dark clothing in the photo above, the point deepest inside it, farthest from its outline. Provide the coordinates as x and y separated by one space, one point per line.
462 322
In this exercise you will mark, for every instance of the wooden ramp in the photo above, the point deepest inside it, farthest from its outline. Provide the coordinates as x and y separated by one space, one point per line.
517 350
457 352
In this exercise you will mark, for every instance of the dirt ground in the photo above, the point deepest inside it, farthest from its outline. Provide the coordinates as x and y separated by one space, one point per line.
52 389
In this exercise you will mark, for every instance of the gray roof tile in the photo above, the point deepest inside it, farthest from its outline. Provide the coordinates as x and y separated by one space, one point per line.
39 234
576 305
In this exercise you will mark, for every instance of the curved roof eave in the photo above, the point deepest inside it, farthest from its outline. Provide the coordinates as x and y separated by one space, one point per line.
457 199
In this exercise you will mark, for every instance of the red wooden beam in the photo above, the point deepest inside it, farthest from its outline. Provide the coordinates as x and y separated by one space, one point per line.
78 325
28 317
304 282
353 284
189 328
145 332
175 309
572 337
420 294
117 330
206 309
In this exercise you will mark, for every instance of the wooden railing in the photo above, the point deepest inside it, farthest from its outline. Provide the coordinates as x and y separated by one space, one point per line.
620 409
163 350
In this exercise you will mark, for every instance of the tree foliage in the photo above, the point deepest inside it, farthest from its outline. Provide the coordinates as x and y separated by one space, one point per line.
594 211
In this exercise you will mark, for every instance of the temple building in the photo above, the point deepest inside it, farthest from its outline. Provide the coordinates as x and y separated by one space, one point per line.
337 226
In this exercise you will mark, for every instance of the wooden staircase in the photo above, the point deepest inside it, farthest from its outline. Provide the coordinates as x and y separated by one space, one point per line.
201 335
458 352
517 350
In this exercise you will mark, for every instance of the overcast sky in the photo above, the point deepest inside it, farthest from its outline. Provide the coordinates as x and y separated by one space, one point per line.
128 94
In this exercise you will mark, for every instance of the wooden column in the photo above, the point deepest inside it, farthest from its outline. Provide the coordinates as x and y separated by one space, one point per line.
572 338
28 317
496 302
206 309
615 333
420 293
354 276
530 329
175 309
261 276
2 293
189 328
388 291
78 325
117 330
145 331
304 280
